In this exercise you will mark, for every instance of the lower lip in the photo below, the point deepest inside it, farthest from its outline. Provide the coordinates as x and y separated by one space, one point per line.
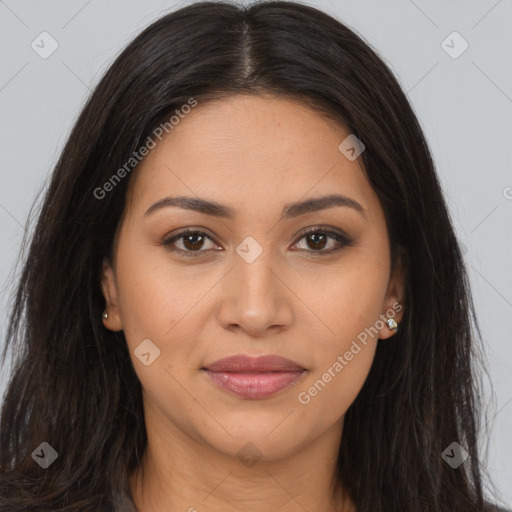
254 385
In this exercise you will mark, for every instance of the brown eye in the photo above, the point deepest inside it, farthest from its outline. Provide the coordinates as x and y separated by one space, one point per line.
192 243
318 239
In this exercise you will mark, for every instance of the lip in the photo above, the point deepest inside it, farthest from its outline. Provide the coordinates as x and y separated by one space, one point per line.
254 377
245 363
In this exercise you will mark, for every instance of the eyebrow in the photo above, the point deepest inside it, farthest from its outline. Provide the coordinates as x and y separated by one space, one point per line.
290 210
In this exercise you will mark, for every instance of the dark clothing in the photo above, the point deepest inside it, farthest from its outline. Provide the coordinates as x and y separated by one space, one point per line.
124 502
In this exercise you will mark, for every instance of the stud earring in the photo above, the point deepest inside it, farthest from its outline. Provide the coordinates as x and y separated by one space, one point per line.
392 325
105 315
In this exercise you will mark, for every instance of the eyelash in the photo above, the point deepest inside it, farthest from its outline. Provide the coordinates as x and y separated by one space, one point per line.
340 238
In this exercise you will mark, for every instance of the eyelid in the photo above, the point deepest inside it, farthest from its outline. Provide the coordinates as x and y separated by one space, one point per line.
327 230
167 242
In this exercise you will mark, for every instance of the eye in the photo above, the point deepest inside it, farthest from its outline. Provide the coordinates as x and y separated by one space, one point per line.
191 240
317 239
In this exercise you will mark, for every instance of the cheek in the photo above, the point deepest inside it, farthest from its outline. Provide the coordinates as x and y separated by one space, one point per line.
159 303
326 397
343 355
349 305
155 297
348 299
169 306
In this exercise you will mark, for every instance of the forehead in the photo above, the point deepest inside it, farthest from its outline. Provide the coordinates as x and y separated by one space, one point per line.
251 151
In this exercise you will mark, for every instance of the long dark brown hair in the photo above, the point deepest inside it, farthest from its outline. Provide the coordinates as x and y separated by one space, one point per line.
72 382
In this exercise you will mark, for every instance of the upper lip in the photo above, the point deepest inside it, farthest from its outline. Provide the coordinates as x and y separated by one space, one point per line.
246 363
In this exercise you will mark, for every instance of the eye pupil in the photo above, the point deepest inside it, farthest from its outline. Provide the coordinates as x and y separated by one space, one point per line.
195 244
318 239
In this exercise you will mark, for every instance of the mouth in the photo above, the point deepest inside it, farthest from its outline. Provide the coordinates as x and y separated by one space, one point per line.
253 378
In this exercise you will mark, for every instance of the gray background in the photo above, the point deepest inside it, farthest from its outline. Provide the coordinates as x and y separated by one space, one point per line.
464 105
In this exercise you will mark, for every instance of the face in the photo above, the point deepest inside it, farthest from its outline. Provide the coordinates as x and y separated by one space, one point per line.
307 283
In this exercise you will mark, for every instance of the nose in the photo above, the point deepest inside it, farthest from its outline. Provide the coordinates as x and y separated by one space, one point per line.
255 298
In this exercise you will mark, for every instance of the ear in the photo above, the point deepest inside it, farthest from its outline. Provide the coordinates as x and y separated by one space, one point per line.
393 306
109 289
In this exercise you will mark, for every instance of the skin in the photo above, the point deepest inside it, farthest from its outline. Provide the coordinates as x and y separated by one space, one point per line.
253 154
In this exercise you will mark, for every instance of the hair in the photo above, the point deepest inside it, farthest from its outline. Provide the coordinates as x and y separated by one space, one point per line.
72 382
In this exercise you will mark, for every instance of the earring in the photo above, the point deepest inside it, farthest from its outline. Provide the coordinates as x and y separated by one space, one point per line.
105 315
392 325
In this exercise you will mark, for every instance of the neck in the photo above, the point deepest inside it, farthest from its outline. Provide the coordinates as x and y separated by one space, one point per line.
179 472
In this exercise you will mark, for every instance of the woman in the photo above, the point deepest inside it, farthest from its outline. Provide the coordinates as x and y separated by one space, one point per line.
244 290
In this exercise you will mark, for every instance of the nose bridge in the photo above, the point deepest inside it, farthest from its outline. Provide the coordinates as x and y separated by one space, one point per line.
254 262
255 297
256 280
